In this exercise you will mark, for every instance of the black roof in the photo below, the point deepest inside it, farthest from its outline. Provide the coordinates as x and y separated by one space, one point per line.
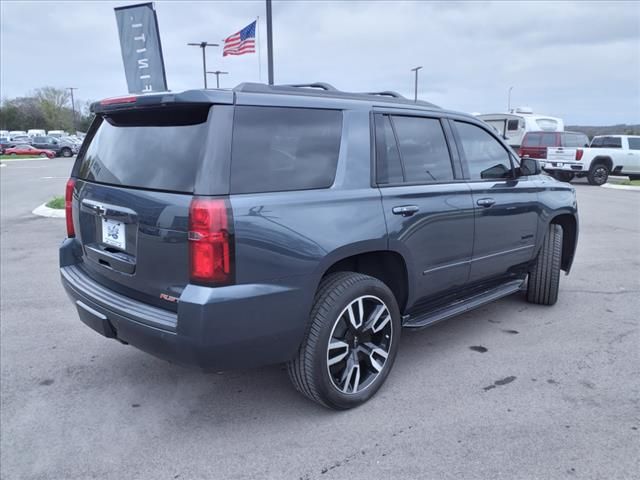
321 89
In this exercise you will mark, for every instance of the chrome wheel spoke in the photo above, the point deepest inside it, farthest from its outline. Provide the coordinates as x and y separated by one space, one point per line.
338 350
351 376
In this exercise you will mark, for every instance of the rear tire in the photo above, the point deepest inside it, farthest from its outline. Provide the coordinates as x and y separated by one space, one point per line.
544 277
44 155
66 152
351 341
598 174
564 176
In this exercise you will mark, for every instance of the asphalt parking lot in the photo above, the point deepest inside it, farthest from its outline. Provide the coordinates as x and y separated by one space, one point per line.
556 394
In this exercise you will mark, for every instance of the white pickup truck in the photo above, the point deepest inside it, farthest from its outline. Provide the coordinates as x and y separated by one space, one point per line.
607 154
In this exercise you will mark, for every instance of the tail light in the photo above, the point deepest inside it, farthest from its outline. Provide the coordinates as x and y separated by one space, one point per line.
68 211
117 100
211 241
520 152
579 153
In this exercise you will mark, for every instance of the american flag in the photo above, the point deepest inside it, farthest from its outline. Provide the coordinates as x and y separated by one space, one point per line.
241 42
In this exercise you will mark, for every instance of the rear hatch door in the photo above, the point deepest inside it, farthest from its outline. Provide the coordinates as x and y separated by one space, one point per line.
135 179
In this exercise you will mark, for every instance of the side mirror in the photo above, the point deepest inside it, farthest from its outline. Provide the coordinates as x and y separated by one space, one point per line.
530 166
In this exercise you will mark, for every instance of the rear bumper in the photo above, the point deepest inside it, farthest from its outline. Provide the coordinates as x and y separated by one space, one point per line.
215 328
564 166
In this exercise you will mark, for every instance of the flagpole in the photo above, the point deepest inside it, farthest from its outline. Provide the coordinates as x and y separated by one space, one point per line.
259 50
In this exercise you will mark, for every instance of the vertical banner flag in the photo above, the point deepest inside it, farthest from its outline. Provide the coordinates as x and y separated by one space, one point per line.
141 48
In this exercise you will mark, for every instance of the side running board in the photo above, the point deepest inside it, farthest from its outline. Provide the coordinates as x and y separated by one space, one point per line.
461 306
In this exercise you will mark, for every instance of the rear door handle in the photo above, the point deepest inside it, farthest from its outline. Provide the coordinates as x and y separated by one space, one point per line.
485 202
405 210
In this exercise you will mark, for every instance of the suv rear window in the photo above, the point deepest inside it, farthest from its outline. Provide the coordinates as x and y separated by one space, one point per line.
159 150
278 148
575 140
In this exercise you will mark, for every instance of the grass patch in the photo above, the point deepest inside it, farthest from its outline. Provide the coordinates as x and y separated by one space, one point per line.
20 157
634 183
56 202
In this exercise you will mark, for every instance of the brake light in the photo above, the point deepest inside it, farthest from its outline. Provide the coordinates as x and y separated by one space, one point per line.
579 153
116 100
68 210
520 152
211 241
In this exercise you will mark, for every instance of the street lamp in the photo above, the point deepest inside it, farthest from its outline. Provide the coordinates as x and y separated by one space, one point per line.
217 73
415 95
509 101
203 46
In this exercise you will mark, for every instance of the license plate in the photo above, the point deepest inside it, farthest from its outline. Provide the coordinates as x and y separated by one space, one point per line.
113 233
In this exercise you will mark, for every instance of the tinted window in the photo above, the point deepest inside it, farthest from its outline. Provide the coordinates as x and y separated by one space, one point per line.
548 140
278 149
634 143
574 140
388 167
512 125
423 150
612 142
486 157
532 140
151 149
597 142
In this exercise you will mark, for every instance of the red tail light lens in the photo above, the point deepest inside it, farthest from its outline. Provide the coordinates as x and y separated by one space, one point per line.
117 100
211 241
579 153
520 152
68 199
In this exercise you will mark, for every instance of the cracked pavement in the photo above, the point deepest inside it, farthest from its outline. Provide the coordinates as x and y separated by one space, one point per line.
551 393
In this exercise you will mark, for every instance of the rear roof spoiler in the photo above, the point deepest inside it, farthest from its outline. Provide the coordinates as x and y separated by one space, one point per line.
163 99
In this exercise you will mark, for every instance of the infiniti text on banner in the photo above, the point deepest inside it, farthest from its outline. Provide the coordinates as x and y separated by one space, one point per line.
141 48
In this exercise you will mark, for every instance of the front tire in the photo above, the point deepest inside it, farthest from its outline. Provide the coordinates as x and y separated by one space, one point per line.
351 342
66 152
598 174
544 278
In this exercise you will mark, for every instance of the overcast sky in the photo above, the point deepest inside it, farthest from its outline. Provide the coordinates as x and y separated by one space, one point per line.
576 60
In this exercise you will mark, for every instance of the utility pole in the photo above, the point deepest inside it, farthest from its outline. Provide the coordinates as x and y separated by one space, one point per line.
217 73
509 101
415 94
203 46
73 107
269 43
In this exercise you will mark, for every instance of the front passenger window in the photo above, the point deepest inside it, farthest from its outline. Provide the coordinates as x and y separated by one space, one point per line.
486 157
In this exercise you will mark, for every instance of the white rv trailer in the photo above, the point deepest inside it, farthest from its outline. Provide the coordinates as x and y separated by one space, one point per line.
512 126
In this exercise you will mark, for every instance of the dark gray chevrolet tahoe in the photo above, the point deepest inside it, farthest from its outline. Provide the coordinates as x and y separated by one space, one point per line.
301 224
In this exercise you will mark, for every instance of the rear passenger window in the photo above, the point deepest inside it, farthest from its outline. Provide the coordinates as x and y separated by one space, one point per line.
278 149
486 157
548 140
532 140
423 150
612 142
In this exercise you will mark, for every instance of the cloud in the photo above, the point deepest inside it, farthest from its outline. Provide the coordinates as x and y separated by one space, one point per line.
576 60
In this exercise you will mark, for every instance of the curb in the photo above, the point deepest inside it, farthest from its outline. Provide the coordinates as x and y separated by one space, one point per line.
45 211
620 187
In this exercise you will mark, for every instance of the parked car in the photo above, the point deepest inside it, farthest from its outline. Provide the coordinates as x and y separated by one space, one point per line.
5 143
59 145
513 126
607 154
57 133
301 224
20 139
36 133
28 150
17 133
566 147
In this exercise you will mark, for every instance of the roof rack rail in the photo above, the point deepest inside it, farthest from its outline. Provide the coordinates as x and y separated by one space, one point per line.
386 93
324 86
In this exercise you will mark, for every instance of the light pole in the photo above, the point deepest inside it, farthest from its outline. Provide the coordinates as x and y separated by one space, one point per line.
203 46
73 107
415 94
217 73
269 43
509 101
